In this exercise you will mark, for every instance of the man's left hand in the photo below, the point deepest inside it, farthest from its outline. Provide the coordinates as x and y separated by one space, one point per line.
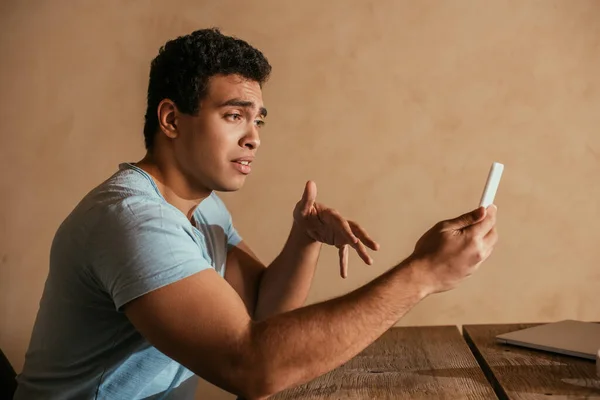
326 225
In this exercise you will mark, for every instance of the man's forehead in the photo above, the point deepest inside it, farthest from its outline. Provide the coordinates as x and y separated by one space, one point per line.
224 87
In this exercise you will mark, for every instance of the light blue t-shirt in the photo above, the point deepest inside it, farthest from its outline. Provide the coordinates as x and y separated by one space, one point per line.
121 241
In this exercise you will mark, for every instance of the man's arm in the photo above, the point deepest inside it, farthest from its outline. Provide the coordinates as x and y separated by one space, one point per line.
212 334
284 285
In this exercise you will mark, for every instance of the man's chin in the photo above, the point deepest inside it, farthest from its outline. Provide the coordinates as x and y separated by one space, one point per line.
230 186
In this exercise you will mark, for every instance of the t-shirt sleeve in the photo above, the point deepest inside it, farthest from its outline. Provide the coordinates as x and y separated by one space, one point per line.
233 237
138 248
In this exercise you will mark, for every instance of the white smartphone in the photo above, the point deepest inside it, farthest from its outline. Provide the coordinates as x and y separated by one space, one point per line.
491 185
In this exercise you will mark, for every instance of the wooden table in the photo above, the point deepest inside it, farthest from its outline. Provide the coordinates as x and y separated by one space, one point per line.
404 363
519 373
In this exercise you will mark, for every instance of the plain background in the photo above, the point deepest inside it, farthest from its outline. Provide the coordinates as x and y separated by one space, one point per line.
395 108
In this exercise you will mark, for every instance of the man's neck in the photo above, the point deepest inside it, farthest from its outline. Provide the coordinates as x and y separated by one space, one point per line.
173 185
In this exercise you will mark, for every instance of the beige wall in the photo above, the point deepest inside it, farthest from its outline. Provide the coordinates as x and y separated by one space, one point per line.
395 108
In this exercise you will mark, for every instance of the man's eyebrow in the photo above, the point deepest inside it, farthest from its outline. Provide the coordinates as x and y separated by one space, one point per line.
245 104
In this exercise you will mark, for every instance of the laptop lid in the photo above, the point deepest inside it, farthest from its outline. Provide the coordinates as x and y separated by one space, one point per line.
570 337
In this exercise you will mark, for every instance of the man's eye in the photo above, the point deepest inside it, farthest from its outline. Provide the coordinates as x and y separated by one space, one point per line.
234 117
259 123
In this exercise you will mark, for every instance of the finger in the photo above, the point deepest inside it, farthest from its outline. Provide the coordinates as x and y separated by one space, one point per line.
342 225
344 261
488 253
467 219
362 253
485 226
309 196
491 238
352 240
363 236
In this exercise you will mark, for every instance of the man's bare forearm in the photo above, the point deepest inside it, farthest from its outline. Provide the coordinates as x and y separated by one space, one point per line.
285 283
297 346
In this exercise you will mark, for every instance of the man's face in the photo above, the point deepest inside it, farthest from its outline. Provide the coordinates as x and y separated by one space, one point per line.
216 147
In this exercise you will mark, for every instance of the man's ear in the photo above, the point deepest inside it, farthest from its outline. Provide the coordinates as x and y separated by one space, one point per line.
167 118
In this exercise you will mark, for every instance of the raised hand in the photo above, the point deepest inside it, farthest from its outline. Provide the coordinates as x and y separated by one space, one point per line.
326 225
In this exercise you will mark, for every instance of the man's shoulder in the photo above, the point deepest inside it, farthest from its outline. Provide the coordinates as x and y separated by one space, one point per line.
127 197
129 182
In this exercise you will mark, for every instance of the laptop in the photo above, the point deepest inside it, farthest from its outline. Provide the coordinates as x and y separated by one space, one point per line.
573 338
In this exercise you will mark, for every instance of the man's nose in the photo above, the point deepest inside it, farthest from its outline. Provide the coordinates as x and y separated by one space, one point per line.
251 139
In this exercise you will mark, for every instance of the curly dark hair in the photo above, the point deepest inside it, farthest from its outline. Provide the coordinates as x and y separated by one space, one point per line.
183 66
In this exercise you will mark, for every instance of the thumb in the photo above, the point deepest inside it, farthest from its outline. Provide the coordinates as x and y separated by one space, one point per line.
309 196
468 219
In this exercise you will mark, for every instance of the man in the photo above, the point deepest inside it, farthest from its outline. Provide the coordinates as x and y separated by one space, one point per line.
150 284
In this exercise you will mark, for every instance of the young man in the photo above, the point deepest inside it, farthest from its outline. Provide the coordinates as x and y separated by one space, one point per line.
150 284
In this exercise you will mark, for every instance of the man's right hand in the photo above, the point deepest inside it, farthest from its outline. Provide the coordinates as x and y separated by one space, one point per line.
452 250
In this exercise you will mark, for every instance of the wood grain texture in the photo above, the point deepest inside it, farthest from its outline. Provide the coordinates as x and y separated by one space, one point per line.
404 363
520 373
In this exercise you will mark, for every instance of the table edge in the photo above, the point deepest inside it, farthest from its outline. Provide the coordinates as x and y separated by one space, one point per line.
483 365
